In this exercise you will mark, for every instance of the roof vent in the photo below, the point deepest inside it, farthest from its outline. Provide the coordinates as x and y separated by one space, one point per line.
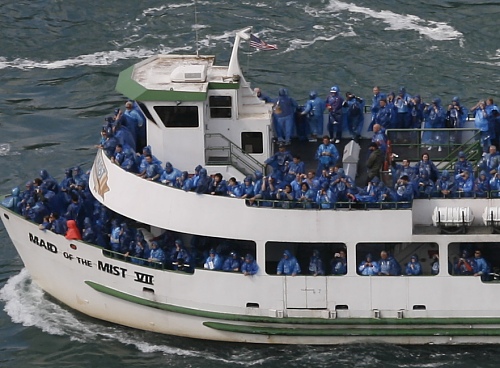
189 74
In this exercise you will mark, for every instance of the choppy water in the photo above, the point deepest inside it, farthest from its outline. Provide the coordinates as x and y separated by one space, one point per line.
58 65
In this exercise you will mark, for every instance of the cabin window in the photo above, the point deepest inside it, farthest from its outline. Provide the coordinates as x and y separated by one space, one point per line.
251 142
470 258
220 107
178 116
146 112
400 255
330 255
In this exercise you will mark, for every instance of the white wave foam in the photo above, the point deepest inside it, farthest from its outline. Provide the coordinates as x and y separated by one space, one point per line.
27 304
438 31
4 149
102 58
297 44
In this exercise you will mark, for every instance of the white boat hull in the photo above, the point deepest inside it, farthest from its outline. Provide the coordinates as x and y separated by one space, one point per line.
80 276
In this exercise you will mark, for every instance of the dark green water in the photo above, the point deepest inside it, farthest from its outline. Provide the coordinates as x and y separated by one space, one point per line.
58 65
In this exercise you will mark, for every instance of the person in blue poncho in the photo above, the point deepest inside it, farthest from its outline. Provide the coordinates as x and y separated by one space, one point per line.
288 265
339 263
462 164
137 248
490 161
314 110
464 184
114 238
413 268
426 164
404 190
481 123
481 266
232 263
284 111
262 96
180 258
481 185
246 188
368 267
456 117
88 233
157 255
169 175
327 155
336 116
12 201
135 121
152 171
218 186
324 197
385 115
123 135
377 96
213 262
119 156
435 117
446 185
401 104
109 144
48 181
387 265
316 264
249 266
203 182
279 161
353 108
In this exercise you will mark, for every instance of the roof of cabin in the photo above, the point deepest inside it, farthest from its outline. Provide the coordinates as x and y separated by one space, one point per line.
174 78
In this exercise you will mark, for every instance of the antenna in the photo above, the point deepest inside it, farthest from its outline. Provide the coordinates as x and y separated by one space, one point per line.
196 27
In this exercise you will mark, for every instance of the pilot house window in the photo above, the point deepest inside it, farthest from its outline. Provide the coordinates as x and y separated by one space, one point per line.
252 142
220 106
178 116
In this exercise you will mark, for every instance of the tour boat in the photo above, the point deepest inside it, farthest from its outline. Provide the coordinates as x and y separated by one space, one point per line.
200 113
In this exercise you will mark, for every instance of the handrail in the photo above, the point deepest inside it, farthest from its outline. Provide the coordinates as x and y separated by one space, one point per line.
410 141
283 204
232 154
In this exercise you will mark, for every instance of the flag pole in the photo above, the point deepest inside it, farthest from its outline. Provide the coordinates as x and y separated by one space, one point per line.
196 28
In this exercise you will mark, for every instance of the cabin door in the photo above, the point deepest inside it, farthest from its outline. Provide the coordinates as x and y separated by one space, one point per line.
305 292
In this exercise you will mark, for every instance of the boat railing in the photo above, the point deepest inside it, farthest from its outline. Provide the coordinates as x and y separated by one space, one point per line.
443 145
368 110
456 194
219 150
352 205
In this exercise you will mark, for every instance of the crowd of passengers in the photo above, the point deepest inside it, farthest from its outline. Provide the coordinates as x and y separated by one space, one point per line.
465 265
69 209
389 110
291 184
464 180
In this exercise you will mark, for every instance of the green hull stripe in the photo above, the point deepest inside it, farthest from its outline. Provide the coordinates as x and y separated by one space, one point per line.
255 330
296 320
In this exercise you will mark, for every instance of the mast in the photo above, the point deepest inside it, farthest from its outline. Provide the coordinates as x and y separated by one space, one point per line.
234 65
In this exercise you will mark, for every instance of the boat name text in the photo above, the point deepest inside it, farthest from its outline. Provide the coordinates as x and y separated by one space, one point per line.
42 243
109 268
144 278
82 261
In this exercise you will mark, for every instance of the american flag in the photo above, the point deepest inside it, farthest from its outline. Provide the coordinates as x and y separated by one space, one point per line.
261 45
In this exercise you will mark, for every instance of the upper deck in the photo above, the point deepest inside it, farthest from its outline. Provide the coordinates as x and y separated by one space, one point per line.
174 77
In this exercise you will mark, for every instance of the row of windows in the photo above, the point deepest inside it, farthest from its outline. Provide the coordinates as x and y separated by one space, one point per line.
427 254
182 116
